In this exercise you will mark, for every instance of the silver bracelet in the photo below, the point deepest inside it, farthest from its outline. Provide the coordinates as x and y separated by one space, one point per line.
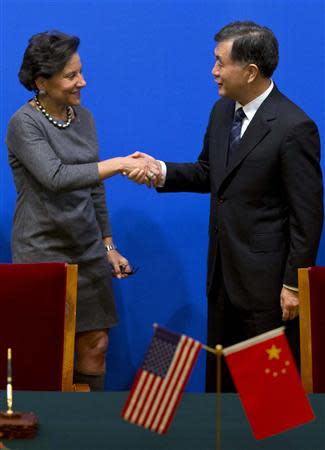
110 247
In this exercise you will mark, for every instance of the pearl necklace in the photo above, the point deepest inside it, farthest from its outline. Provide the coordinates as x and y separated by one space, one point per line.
50 118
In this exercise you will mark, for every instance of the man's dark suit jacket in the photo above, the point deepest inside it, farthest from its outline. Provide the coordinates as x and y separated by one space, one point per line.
266 207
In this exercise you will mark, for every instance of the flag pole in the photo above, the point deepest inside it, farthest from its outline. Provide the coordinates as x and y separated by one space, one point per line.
209 349
218 352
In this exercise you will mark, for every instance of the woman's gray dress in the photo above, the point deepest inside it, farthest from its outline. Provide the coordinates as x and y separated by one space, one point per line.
61 212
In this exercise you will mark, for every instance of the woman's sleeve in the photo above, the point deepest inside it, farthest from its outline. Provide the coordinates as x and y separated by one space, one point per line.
98 191
26 141
99 200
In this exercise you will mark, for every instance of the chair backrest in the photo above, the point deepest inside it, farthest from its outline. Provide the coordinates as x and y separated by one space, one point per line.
37 320
312 327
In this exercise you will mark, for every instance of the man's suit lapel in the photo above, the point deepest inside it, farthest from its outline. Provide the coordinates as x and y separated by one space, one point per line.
222 138
259 127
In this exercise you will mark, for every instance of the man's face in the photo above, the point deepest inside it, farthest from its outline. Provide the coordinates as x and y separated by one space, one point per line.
230 76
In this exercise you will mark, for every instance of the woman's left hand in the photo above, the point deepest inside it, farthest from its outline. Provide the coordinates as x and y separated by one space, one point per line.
120 265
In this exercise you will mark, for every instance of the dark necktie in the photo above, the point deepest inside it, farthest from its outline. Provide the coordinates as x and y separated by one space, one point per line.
234 136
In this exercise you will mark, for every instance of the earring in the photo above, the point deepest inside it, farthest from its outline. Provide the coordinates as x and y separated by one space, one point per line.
41 92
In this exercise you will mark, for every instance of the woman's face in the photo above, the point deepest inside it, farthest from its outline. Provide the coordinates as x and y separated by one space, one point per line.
63 88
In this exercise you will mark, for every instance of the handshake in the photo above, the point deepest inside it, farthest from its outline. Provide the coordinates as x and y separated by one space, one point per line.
143 169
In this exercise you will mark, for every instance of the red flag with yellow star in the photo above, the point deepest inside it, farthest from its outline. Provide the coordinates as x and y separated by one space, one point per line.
268 383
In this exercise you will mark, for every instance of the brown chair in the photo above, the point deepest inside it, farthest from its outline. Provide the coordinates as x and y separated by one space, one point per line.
37 321
312 327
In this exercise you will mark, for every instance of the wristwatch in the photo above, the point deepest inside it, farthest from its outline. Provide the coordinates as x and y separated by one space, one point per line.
110 247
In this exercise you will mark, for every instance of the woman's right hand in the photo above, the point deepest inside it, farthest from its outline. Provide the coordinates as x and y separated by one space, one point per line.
130 163
141 168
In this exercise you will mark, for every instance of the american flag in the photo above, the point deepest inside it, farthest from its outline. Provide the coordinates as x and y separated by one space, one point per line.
159 384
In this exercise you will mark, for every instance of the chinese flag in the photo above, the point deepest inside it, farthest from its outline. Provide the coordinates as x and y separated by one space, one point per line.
268 383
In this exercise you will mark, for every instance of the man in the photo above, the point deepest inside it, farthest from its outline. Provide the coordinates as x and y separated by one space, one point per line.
260 161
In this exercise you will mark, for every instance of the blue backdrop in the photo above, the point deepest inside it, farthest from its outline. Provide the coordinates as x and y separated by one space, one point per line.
148 68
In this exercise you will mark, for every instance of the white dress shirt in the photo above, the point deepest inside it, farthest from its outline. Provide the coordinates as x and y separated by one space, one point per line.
251 108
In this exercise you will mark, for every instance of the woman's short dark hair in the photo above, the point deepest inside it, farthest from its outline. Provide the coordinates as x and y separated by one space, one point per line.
47 53
252 44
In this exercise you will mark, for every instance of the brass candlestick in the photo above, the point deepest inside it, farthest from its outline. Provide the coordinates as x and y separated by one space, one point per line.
9 383
14 424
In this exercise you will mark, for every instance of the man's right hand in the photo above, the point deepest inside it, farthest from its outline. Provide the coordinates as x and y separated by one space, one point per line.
151 176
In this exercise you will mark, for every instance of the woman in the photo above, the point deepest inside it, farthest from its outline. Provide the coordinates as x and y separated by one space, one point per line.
61 212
